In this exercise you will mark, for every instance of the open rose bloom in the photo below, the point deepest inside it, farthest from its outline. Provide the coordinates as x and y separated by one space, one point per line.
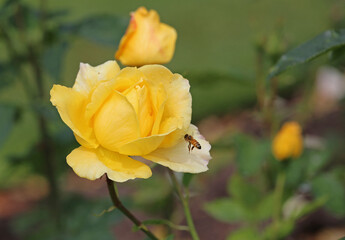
120 117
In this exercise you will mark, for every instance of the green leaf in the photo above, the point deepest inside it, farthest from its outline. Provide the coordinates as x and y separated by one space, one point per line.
244 233
7 10
244 192
6 122
187 178
251 154
53 59
309 50
7 74
317 160
103 29
162 222
327 185
295 172
170 237
265 208
278 230
227 210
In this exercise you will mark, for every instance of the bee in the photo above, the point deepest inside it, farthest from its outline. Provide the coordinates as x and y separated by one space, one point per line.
192 142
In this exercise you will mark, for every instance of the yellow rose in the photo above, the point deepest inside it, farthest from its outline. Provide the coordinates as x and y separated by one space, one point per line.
147 40
120 117
288 142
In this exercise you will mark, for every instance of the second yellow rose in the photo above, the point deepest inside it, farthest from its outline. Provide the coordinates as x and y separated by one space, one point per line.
147 40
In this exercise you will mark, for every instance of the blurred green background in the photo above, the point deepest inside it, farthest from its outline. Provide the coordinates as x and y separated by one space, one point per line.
212 35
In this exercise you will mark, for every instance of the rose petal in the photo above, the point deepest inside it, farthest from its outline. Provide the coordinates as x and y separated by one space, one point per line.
71 107
145 111
179 159
177 110
158 98
138 96
116 122
142 146
85 163
157 74
121 163
177 102
89 77
127 78
158 79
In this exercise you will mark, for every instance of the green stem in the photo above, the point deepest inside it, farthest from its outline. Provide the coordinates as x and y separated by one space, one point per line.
270 108
118 204
279 191
46 143
48 154
186 209
260 81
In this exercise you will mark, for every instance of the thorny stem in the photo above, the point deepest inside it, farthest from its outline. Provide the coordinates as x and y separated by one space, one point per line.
186 209
118 204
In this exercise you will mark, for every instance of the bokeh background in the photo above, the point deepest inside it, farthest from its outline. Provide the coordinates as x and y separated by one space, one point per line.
225 48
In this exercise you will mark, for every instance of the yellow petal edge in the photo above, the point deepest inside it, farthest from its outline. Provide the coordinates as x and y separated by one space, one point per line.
87 164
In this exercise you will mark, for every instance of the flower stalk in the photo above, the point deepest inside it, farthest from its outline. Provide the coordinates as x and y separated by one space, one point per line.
184 200
279 192
118 204
260 79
